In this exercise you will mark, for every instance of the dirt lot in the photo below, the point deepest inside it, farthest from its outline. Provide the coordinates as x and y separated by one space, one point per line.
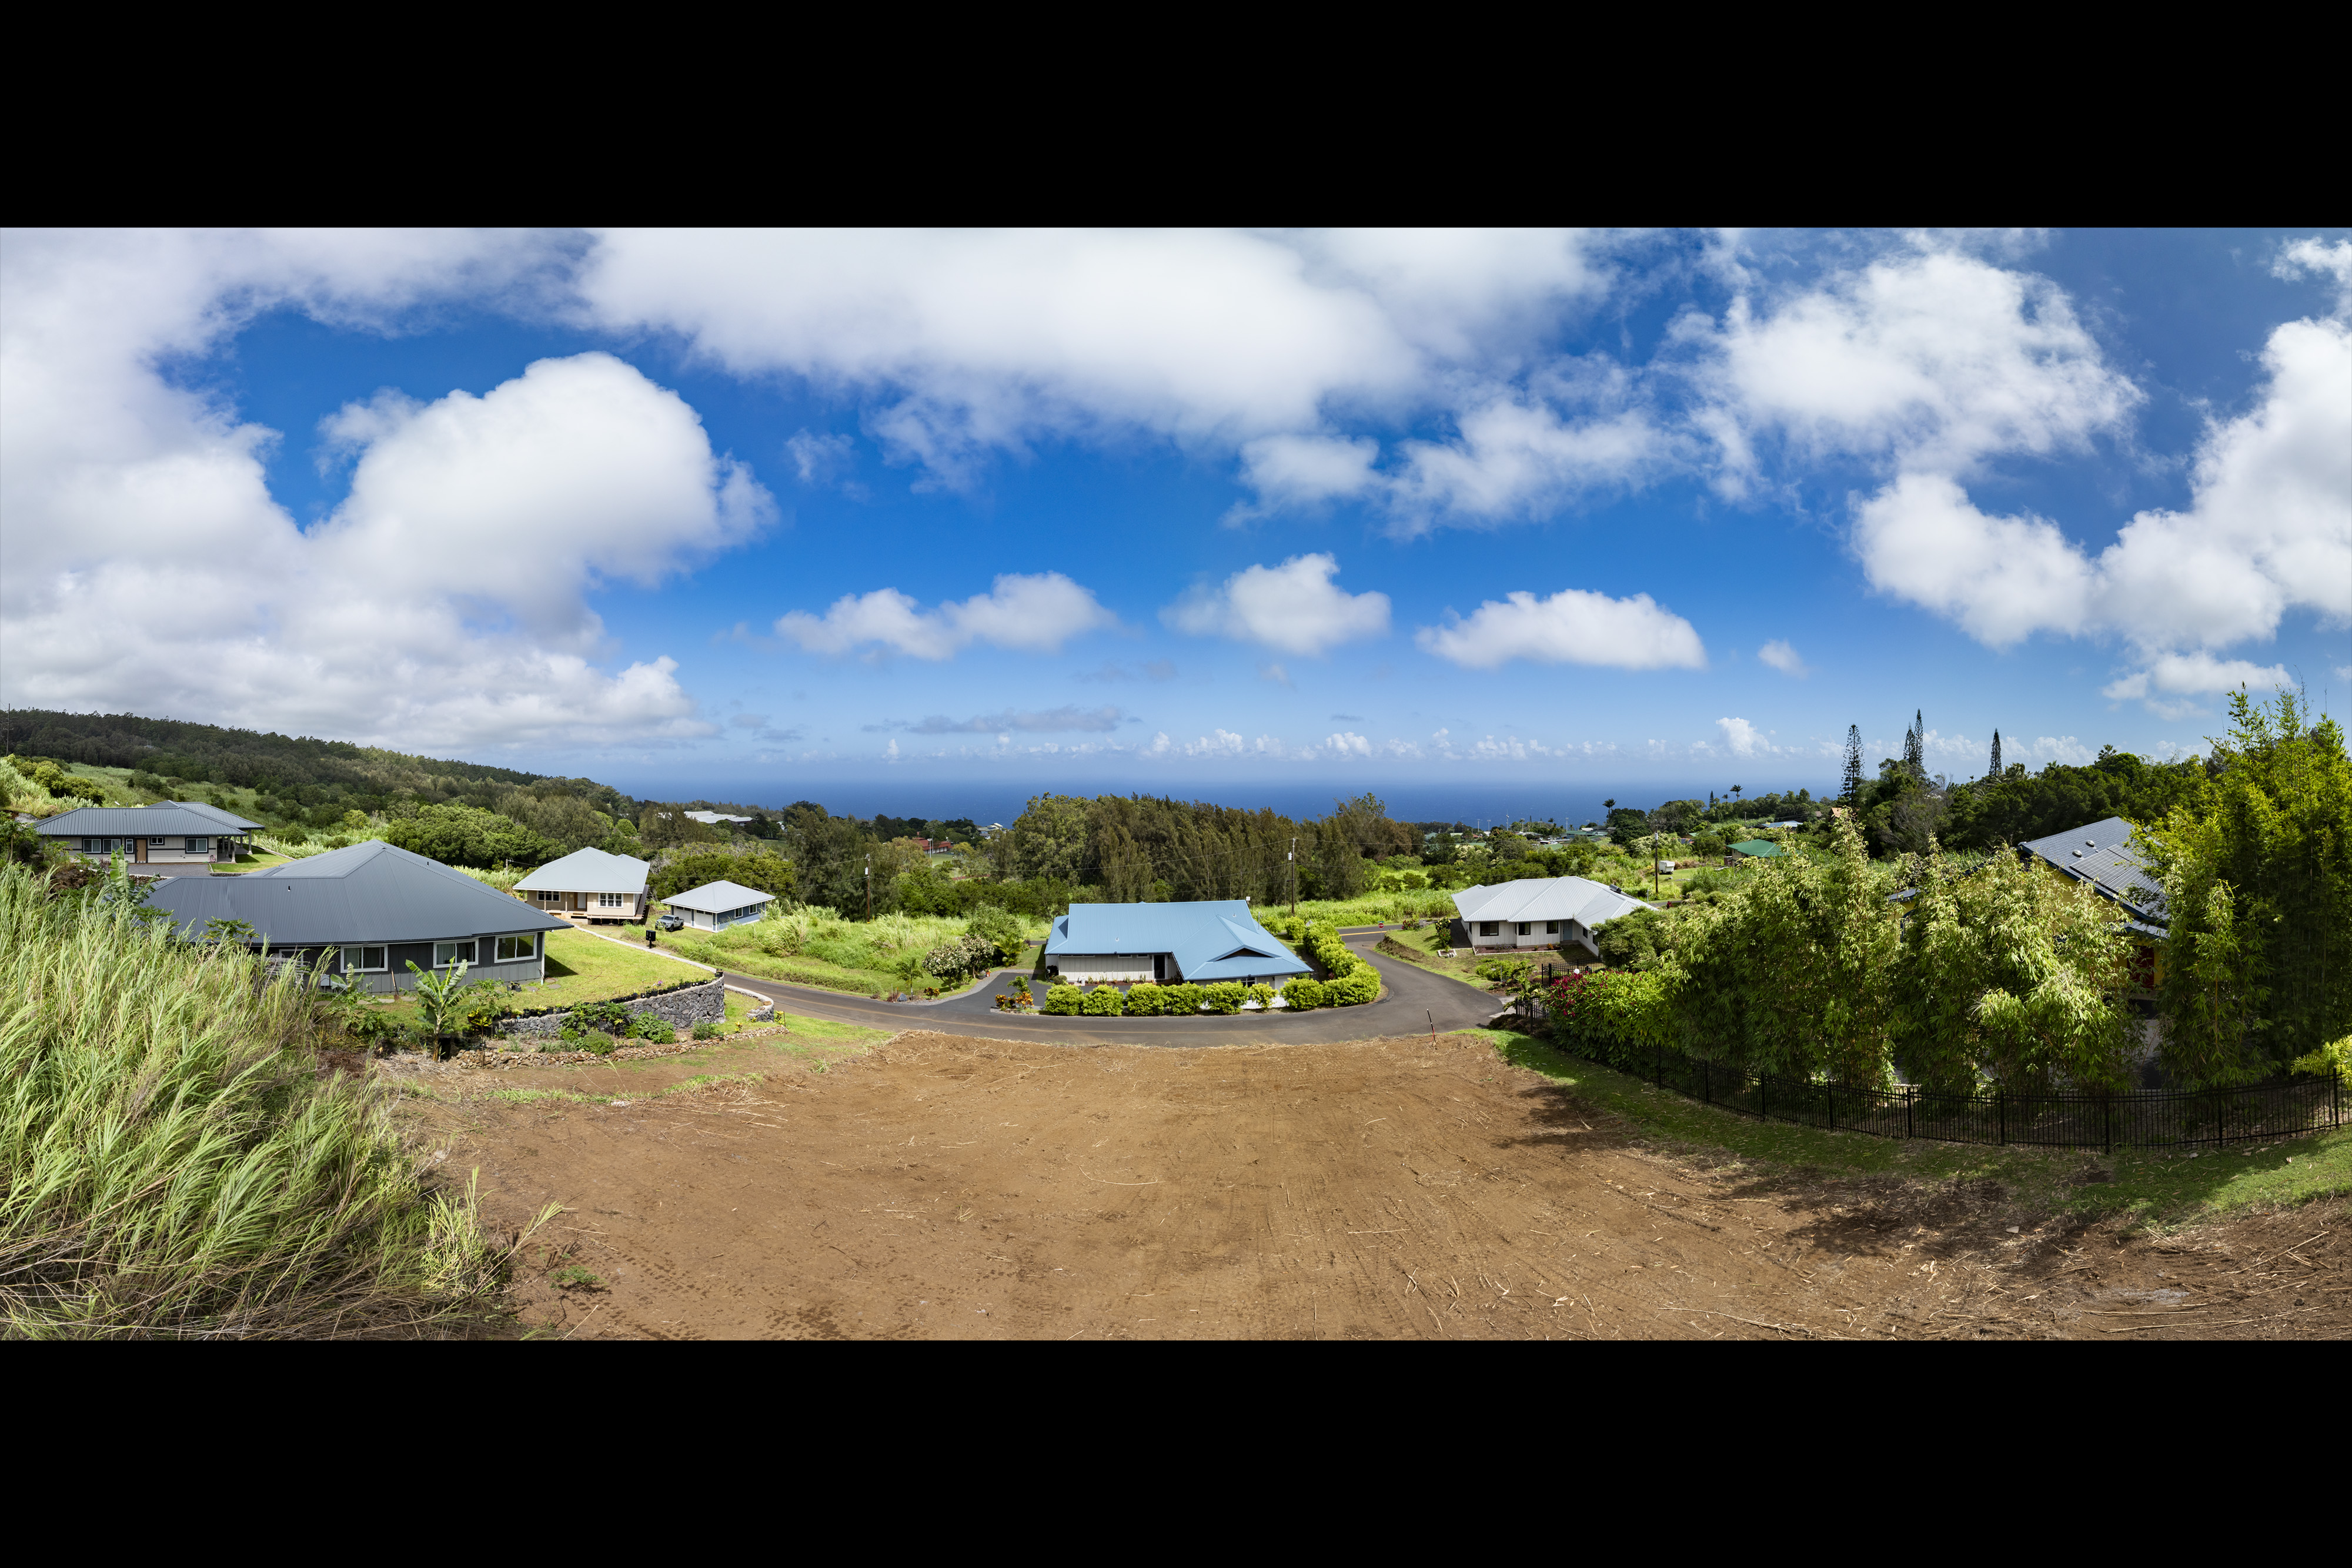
942 1187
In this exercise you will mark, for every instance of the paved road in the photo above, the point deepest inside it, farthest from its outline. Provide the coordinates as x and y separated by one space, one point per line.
1416 1000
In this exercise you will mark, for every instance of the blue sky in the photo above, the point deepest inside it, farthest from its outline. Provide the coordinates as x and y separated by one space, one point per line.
926 522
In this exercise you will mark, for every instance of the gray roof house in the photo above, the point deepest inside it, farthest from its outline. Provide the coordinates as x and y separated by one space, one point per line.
588 885
2102 856
176 837
715 906
376 909
1540 912
1174 944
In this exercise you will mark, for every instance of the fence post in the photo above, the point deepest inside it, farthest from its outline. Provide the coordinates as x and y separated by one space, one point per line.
1829 1098
2001 1113
1908 1094
2106 1126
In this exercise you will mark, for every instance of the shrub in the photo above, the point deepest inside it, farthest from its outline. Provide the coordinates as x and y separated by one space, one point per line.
1354 990
1303 993
598 1043
1104 1001
652 1031
1063 999
1262 995
1185 998
706 1029
1147 1000
1227 996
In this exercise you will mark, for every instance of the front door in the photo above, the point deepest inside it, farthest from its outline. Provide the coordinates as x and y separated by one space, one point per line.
1160 965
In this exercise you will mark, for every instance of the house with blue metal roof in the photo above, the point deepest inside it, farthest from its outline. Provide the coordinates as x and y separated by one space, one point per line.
372 910
1172 944
2101 854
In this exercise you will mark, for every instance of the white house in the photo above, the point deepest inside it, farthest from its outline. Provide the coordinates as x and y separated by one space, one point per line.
1538 911
587 886
712 819
715 906
175 838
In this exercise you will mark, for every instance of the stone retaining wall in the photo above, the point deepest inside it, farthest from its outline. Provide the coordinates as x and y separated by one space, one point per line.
682 1009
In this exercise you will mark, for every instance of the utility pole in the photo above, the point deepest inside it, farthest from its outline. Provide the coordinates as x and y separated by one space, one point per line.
869 888
1293 859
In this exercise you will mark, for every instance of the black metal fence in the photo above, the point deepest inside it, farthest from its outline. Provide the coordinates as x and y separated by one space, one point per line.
2106 1122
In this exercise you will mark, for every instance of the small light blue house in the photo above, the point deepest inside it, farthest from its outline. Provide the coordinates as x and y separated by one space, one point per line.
715 905
1173 943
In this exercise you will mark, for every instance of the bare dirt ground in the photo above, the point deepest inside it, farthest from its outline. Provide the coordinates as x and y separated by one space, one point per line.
954 1188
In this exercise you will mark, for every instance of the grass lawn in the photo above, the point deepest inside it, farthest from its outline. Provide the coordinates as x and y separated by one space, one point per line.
579 969
2156 1186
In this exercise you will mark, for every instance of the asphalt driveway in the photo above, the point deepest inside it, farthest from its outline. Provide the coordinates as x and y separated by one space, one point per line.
1416 1000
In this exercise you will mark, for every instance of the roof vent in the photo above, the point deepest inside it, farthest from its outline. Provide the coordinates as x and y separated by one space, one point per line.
2078 855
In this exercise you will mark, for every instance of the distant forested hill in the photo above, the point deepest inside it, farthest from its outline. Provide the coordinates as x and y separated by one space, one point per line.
296 768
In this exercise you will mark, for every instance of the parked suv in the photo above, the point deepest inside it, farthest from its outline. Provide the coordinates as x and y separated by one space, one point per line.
671 921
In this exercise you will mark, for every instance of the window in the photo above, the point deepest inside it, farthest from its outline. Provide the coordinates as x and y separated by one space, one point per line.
518 949
1485 928
199 846
364 960
546 897
449 955
1524 927
1552 928
608 901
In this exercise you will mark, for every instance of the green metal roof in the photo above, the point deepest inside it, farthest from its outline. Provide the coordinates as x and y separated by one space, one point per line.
1761 848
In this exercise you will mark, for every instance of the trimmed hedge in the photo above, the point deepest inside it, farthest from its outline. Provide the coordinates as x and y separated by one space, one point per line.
1147 1000
1303 993
1227 996
1104 1002
1350 981
1063 999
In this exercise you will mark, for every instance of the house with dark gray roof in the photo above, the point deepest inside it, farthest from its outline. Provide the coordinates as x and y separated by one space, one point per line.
372 910
1194 944
2101 855
176 837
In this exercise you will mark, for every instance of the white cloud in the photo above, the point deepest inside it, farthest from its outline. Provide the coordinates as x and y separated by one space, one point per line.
2002 579
441 605
2061 748
2317 257
1516 459
1274 674
1347 743
1934 361
1035 613
2268 531
1572 627
1301 470
2198 674
1742 738
1295 608
1783 658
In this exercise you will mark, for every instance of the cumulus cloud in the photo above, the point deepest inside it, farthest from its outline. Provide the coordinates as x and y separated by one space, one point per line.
2319 258
1031 613
1742 738
2268 531
1572 627
1783 658
1933 360
1347 743
440 605
1293 608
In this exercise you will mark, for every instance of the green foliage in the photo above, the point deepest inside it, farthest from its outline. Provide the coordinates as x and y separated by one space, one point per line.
832 857
1147 1000
1262 993
1104 1002
1610 1015
1503 971
1063 998
653 1030
2257 877
1184 999
1348 980
598 1043
177 1164
998 927
1794 974
706 1029
1637 939
464 835
1303 993
2334 1057
763 869
1225 995
2020 805
2007 975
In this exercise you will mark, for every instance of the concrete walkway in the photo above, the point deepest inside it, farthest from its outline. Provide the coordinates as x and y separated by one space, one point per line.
1417 1001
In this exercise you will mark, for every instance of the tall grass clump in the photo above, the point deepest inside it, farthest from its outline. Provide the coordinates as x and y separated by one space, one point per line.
173 1162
